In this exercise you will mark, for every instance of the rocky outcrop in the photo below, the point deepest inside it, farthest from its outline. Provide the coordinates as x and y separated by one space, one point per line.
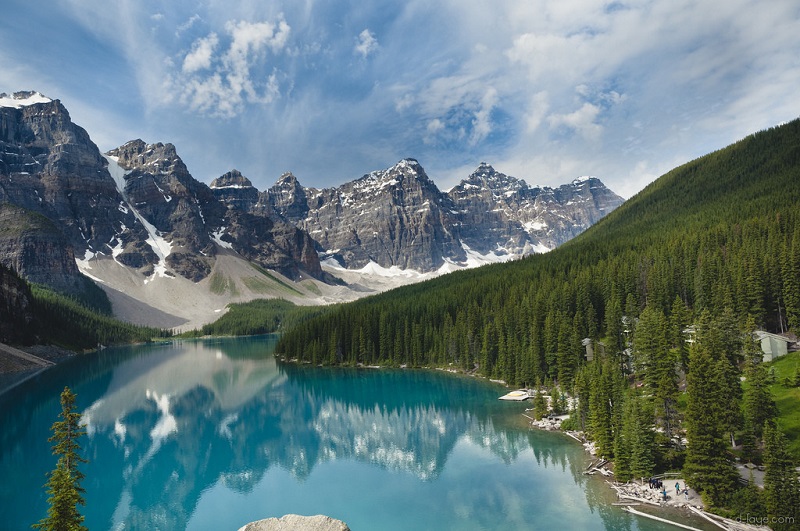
398 217
34 247
235 190
395 217
294 522
497 211
273 244
49 165
180 208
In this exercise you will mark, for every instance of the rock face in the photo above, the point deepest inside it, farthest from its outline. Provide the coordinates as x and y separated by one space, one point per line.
502 212
235 190
138 204
395 217
49 167
398 217
159 187
293 522
33 246
196 219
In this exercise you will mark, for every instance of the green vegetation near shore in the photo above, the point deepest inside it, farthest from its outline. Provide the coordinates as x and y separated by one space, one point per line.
261 316
66 322
785 375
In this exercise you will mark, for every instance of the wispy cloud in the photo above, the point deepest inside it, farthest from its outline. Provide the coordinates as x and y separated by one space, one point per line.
366 43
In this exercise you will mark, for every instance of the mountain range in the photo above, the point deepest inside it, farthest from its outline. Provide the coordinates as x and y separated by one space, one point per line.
167 248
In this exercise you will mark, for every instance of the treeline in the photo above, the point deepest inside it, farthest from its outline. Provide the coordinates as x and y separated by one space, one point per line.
66 322
261 316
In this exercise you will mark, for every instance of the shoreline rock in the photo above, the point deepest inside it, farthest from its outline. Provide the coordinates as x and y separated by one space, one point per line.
295 522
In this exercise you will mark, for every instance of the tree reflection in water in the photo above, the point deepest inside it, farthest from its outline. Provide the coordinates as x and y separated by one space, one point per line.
169 423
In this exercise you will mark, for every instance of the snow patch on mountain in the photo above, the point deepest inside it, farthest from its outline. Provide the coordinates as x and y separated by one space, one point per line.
161 247
22 99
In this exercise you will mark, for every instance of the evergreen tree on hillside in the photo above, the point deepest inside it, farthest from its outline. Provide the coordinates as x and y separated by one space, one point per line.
64 485
791 281
781 486
758 405
707 468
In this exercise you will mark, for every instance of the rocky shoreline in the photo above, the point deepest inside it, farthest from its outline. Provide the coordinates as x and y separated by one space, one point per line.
635 493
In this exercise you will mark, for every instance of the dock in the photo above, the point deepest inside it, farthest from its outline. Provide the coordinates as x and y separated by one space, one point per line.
516 396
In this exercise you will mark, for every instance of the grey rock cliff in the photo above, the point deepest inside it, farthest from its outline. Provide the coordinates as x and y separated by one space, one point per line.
50 167
190 215
398 217
235 190
502 212
159 186
394 217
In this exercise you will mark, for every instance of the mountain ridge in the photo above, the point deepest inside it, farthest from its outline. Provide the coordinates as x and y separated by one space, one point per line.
137 223
378 217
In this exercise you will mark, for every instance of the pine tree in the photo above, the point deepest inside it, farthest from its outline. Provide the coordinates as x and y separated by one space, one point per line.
707 467
759 407
781 486
638 424
539 405
64 486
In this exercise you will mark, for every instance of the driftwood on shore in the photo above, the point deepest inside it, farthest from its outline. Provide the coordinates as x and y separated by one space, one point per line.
658 519
624 493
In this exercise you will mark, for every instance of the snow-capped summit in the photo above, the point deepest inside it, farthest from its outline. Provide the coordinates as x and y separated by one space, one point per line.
398 218
22 99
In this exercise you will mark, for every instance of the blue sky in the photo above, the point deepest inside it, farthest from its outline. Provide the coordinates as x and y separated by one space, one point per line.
544 90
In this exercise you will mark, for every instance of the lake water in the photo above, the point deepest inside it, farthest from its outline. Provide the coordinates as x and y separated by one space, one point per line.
209 435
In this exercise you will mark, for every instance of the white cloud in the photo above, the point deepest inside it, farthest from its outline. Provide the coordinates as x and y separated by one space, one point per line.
482 123
537 109
581 120
366 44
252 37
218 80
200 56
187 25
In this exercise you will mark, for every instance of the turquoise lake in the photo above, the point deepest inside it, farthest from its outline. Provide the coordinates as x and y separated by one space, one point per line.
209 435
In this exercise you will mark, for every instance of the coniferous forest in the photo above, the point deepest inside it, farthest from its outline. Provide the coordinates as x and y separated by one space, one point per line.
667 289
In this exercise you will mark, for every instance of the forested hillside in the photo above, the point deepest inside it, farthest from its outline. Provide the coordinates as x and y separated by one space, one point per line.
37 314
668 289
718 233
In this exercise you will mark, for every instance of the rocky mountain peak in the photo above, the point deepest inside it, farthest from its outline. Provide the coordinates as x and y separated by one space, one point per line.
235 190
154 159
287 179
287 197
232 179
408 167
485 177
22 99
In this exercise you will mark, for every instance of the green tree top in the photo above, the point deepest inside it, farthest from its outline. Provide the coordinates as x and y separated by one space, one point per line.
63 484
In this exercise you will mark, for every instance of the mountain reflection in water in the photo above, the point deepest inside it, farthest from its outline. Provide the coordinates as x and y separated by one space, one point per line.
212 434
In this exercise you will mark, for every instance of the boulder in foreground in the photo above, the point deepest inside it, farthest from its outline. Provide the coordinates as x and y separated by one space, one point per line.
294 522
